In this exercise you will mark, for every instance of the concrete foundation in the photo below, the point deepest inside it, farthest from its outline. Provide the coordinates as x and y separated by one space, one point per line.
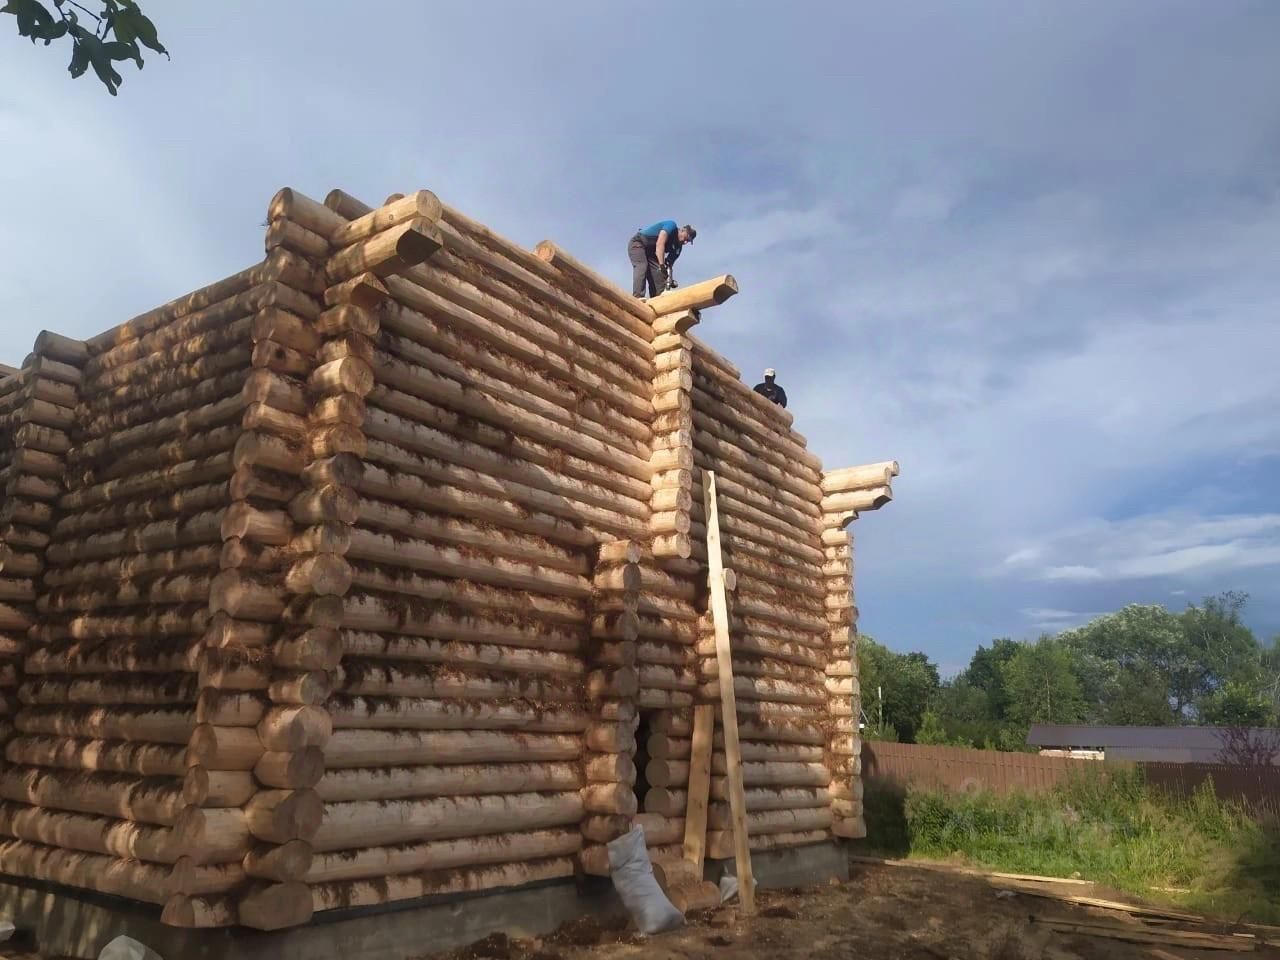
73 923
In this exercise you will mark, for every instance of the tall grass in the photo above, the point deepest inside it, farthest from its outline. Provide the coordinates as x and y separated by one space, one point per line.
1108 826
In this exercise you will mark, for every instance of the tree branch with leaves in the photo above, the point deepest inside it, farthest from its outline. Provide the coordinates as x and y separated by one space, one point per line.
99 40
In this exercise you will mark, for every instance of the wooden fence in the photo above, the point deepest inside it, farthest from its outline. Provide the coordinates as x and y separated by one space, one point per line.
962 769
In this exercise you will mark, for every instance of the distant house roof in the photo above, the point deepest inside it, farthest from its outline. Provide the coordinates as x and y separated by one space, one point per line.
1169 744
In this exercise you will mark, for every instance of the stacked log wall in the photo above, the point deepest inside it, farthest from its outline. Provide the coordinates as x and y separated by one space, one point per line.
770 513
97 787
378 571
483 698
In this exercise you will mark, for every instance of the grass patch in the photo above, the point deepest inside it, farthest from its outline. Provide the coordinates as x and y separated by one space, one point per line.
1108 826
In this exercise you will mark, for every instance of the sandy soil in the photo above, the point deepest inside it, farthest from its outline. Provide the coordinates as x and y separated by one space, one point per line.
882 913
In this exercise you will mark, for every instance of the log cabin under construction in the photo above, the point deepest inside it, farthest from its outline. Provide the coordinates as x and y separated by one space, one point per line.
379 570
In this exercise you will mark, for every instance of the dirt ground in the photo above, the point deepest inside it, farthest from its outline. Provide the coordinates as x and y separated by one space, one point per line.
882 913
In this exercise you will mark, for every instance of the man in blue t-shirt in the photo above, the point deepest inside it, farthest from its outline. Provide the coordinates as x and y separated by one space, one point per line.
653 250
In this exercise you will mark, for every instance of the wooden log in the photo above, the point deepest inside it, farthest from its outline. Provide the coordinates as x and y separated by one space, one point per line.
676 873
363 823
147 724
452 562
762 799
610 799
489 398
559 609
90 834
695 897
385 254
526 435
395 783
192 879
597 288
224 748
774 774
278 816
292 770
469 269
849 479
230 709
579 503
122 797
213 836
289 204
415 886
470 362
412 681
679 322
627 371
198 912
428 319
855 501
281 863
367 614
720 843
217 788
460 655
444 855
708 293
350 748
275 906
60 348
402 713
423 205
766 689
132 879
292 728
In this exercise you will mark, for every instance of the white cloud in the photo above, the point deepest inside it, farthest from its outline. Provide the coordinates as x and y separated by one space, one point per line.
1175 545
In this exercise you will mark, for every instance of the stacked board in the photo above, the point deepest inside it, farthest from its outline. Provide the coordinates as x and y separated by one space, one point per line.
378 571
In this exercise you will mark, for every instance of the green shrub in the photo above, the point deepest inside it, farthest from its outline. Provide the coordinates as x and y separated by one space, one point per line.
1107 825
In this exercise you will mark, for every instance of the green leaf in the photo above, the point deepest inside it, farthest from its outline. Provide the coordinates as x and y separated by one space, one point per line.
32 17
79 60
123 51
146 31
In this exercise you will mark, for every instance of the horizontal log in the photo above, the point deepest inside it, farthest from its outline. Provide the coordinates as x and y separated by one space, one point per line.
527 436
519 337
848 479
448 351
434 484
402 713
481 597
469 391
444 855
380 748
279 816
289 728
856 501
698 296
279 862
460 655
146 724
497 570
363 893
128 878
521 461
364 823
720 842
89 834
395 783
406 679
367 614
773 774
767 689
392 251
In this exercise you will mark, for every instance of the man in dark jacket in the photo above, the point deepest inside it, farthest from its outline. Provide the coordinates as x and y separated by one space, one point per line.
653 251
771 390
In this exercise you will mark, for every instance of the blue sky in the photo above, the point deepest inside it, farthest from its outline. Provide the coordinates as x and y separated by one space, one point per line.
1029 250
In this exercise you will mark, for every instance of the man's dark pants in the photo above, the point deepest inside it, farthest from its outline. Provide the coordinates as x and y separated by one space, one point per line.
644 268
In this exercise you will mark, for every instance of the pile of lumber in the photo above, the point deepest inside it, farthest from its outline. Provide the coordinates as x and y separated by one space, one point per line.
378 571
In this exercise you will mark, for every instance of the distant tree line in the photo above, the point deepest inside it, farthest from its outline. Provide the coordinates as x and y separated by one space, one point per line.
1141 665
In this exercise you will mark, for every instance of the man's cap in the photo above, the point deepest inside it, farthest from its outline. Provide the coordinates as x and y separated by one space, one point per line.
771 372
692 233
